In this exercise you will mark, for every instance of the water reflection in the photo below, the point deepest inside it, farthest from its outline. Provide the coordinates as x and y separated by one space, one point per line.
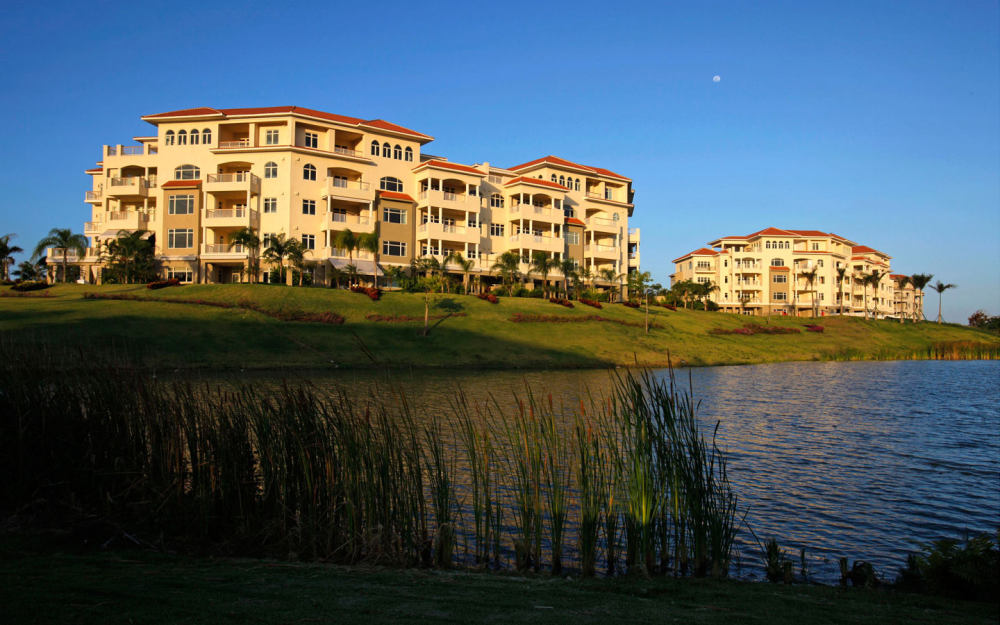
857 459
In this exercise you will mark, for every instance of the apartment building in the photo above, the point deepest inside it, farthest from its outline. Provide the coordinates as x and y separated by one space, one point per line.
206 173
792 272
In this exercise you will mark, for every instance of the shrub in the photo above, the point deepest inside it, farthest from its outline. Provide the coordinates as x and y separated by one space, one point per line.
30 285
670 307
372 293
630 304
561 302
489 297
162 284
814 328
946 567
753 328
590 302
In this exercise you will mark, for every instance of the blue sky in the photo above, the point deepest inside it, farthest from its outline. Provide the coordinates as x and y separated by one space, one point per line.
879 121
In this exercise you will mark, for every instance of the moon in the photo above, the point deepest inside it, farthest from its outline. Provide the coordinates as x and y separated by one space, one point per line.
716 78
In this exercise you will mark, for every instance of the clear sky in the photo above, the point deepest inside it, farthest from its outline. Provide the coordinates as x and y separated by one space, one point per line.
879 121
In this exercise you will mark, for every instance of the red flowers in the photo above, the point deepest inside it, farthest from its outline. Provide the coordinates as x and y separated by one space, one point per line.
590 302
814 328
630 304
562 302
374 294
162 284
753 328
489 297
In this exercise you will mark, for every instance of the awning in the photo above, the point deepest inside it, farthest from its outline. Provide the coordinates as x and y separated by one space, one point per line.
365 267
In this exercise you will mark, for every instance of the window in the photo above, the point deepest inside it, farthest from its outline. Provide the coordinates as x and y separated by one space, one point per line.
271 170
397 152
767 245
182 137
206 136
267 238
572 237
309 172
780 278
180 205
194 137
169 137
562 180
187 172
576 184
554 178
393 248
819 263
780 295
394 215
388 183
608 194
270 205
386 150
408 154
473 220
777 262
308 207
182 275
312 140
568 212
496 230
180 238
815 246
309 241
704 280
496 200
375 147
271 137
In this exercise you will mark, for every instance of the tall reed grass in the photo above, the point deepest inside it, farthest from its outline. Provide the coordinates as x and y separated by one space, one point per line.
295 473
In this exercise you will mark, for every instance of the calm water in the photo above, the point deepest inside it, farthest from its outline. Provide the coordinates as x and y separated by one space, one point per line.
859 459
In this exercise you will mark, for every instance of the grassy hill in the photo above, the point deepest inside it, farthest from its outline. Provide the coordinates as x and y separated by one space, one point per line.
253 331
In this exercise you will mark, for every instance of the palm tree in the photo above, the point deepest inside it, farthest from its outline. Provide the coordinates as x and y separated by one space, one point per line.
464 265
393 274
65 240
608 275
278 249
352 273
543 264
841 271
7 252
901 285
587 274
507 266
126 249
297 257
27 270
919 281
247 237
940 287
864 280
810 276
431 267
875 278
369 242
335 275
347 241
568 269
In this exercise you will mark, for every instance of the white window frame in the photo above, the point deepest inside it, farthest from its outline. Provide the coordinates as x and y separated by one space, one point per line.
175 202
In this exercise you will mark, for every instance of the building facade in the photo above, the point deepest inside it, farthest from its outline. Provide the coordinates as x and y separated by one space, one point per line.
206 173
796 272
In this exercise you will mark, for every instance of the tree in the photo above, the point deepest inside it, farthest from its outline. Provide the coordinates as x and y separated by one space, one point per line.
7 252
27 270
543 264
336 275
639 283
507 266
567 266
588 275
394 275
464 265
347 241
841 271
369 242
874 279
941 287
919 281
978 319
297 257
132 252
901 285
278 249
428 285
65 240
247 237
864 280
810 277
608 275
684 290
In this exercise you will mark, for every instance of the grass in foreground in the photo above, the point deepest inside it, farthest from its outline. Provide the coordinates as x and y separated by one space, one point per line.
43 584
191 336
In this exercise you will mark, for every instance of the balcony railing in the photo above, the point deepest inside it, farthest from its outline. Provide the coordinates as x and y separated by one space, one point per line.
341 183
223 248
123 215
596 247
238 212
93 196
346 218
238 176
348 152
601 196
235 143
91 227
130 180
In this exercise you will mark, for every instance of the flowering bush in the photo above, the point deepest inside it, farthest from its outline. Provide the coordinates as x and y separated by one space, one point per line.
162 284
489 297
590 302
561 302
372 293
752 328
814 328
30 285
631 304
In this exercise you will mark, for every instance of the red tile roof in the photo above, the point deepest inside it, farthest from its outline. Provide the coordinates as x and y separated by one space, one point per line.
95 170
555 160
392 195
449 165
273 110
181 184
538 181
772 232
779 268
864 249
897 276
704 251
574 221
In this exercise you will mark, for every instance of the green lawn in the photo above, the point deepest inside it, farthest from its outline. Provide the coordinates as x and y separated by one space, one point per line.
182 336
43 584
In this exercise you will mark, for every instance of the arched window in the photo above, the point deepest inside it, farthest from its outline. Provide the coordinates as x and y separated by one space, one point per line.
767 245
187 172
576 185
169 137
553 178
309 172
496 200
562 180
194 137
206 136
388 183
615 217
271 170
182 137
397 152
409 154
387 150
375 147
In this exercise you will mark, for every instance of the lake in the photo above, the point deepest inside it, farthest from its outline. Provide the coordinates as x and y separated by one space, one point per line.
856 459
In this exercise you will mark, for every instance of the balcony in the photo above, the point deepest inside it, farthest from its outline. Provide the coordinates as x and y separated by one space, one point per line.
94 197
447 232
54 255
239 182
126 220
602 224
600 197
445 199
92 227
538 242
333 252
537 213
351 190
633 259
132 186
237 217
601 251
235 144
633 235
223 251
348 221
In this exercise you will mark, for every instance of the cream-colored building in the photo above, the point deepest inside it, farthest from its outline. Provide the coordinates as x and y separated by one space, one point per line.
206 173
768 273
